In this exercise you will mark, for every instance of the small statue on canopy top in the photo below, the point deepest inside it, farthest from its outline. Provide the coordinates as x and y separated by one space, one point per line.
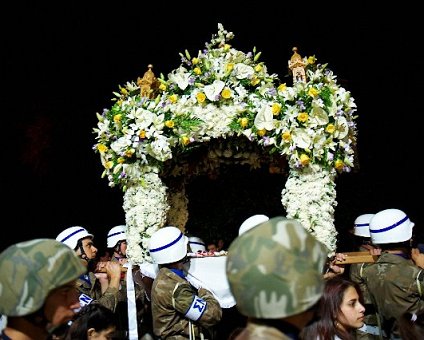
148 84
297 66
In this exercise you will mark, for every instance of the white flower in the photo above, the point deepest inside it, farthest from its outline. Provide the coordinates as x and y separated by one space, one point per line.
213 91
243 71
264 118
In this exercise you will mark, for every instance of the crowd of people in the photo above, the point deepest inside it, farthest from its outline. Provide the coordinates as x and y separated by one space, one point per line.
283 281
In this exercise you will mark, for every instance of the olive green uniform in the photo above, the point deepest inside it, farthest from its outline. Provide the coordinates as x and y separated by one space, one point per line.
395 284
174 300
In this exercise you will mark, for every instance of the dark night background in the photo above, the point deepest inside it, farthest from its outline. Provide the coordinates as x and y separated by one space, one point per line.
60 64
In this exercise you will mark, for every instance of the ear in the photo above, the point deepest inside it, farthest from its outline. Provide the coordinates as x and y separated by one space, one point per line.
91 331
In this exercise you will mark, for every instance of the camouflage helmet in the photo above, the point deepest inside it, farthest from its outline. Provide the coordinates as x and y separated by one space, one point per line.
275 270
30 270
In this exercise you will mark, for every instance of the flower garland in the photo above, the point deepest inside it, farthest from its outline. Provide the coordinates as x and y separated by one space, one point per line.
223 93
310 197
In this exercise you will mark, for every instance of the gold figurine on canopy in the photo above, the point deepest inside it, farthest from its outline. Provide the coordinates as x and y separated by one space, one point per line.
148 84
297 66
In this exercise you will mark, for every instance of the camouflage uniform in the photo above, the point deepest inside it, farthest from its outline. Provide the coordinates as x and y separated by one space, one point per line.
370 319
275 271
89 285
172 298
396 285
121 310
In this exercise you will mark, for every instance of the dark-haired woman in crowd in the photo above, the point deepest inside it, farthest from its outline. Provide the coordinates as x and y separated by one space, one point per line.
340 311
93 321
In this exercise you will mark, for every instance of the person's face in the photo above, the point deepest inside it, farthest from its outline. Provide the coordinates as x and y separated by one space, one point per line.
124 247
106 334
211 247
61 303
89 248
352 311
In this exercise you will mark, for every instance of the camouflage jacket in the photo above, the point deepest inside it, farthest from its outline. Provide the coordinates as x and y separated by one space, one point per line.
174 300
395 285
142 309
90 285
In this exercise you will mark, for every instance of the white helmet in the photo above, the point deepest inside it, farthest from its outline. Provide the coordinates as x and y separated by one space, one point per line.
115 235
71 235
196 244
251 222
362 225
390 226
168 245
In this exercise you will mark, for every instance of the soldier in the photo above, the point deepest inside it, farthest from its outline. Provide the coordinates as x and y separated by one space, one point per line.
102 287
196 244
178 310
37 288
361 231
142 324
275 274
395 282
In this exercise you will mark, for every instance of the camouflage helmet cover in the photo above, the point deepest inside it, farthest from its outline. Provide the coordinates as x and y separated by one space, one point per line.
30 270
275 270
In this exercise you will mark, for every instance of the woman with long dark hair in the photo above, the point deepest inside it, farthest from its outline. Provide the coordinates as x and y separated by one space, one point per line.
340 311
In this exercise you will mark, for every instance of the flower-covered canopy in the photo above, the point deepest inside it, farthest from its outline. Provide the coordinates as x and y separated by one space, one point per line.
222 94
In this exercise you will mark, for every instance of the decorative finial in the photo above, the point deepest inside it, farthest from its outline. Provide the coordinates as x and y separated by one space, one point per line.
148 84
297 67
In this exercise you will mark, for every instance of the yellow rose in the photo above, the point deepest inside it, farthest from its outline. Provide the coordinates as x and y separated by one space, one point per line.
102 148
276 108
185 140
311 60
282 87
304 159
197 70
117 118
201 97
243 122
338 164
286 136
302 117
229 67
226 93
129 153
169 124
330 128
261 132
173 98
313 92
255 81
162 87
195 61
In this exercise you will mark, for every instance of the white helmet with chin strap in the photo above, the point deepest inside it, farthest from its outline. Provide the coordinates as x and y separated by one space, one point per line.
362 225
390 226
72 235
168 245
196 244
115 235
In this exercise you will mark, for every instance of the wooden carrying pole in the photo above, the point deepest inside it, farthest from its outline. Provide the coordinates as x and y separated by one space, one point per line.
358 257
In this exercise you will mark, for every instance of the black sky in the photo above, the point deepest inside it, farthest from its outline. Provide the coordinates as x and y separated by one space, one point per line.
60 64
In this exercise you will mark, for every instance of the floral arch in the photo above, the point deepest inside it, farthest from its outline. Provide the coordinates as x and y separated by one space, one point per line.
224 102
